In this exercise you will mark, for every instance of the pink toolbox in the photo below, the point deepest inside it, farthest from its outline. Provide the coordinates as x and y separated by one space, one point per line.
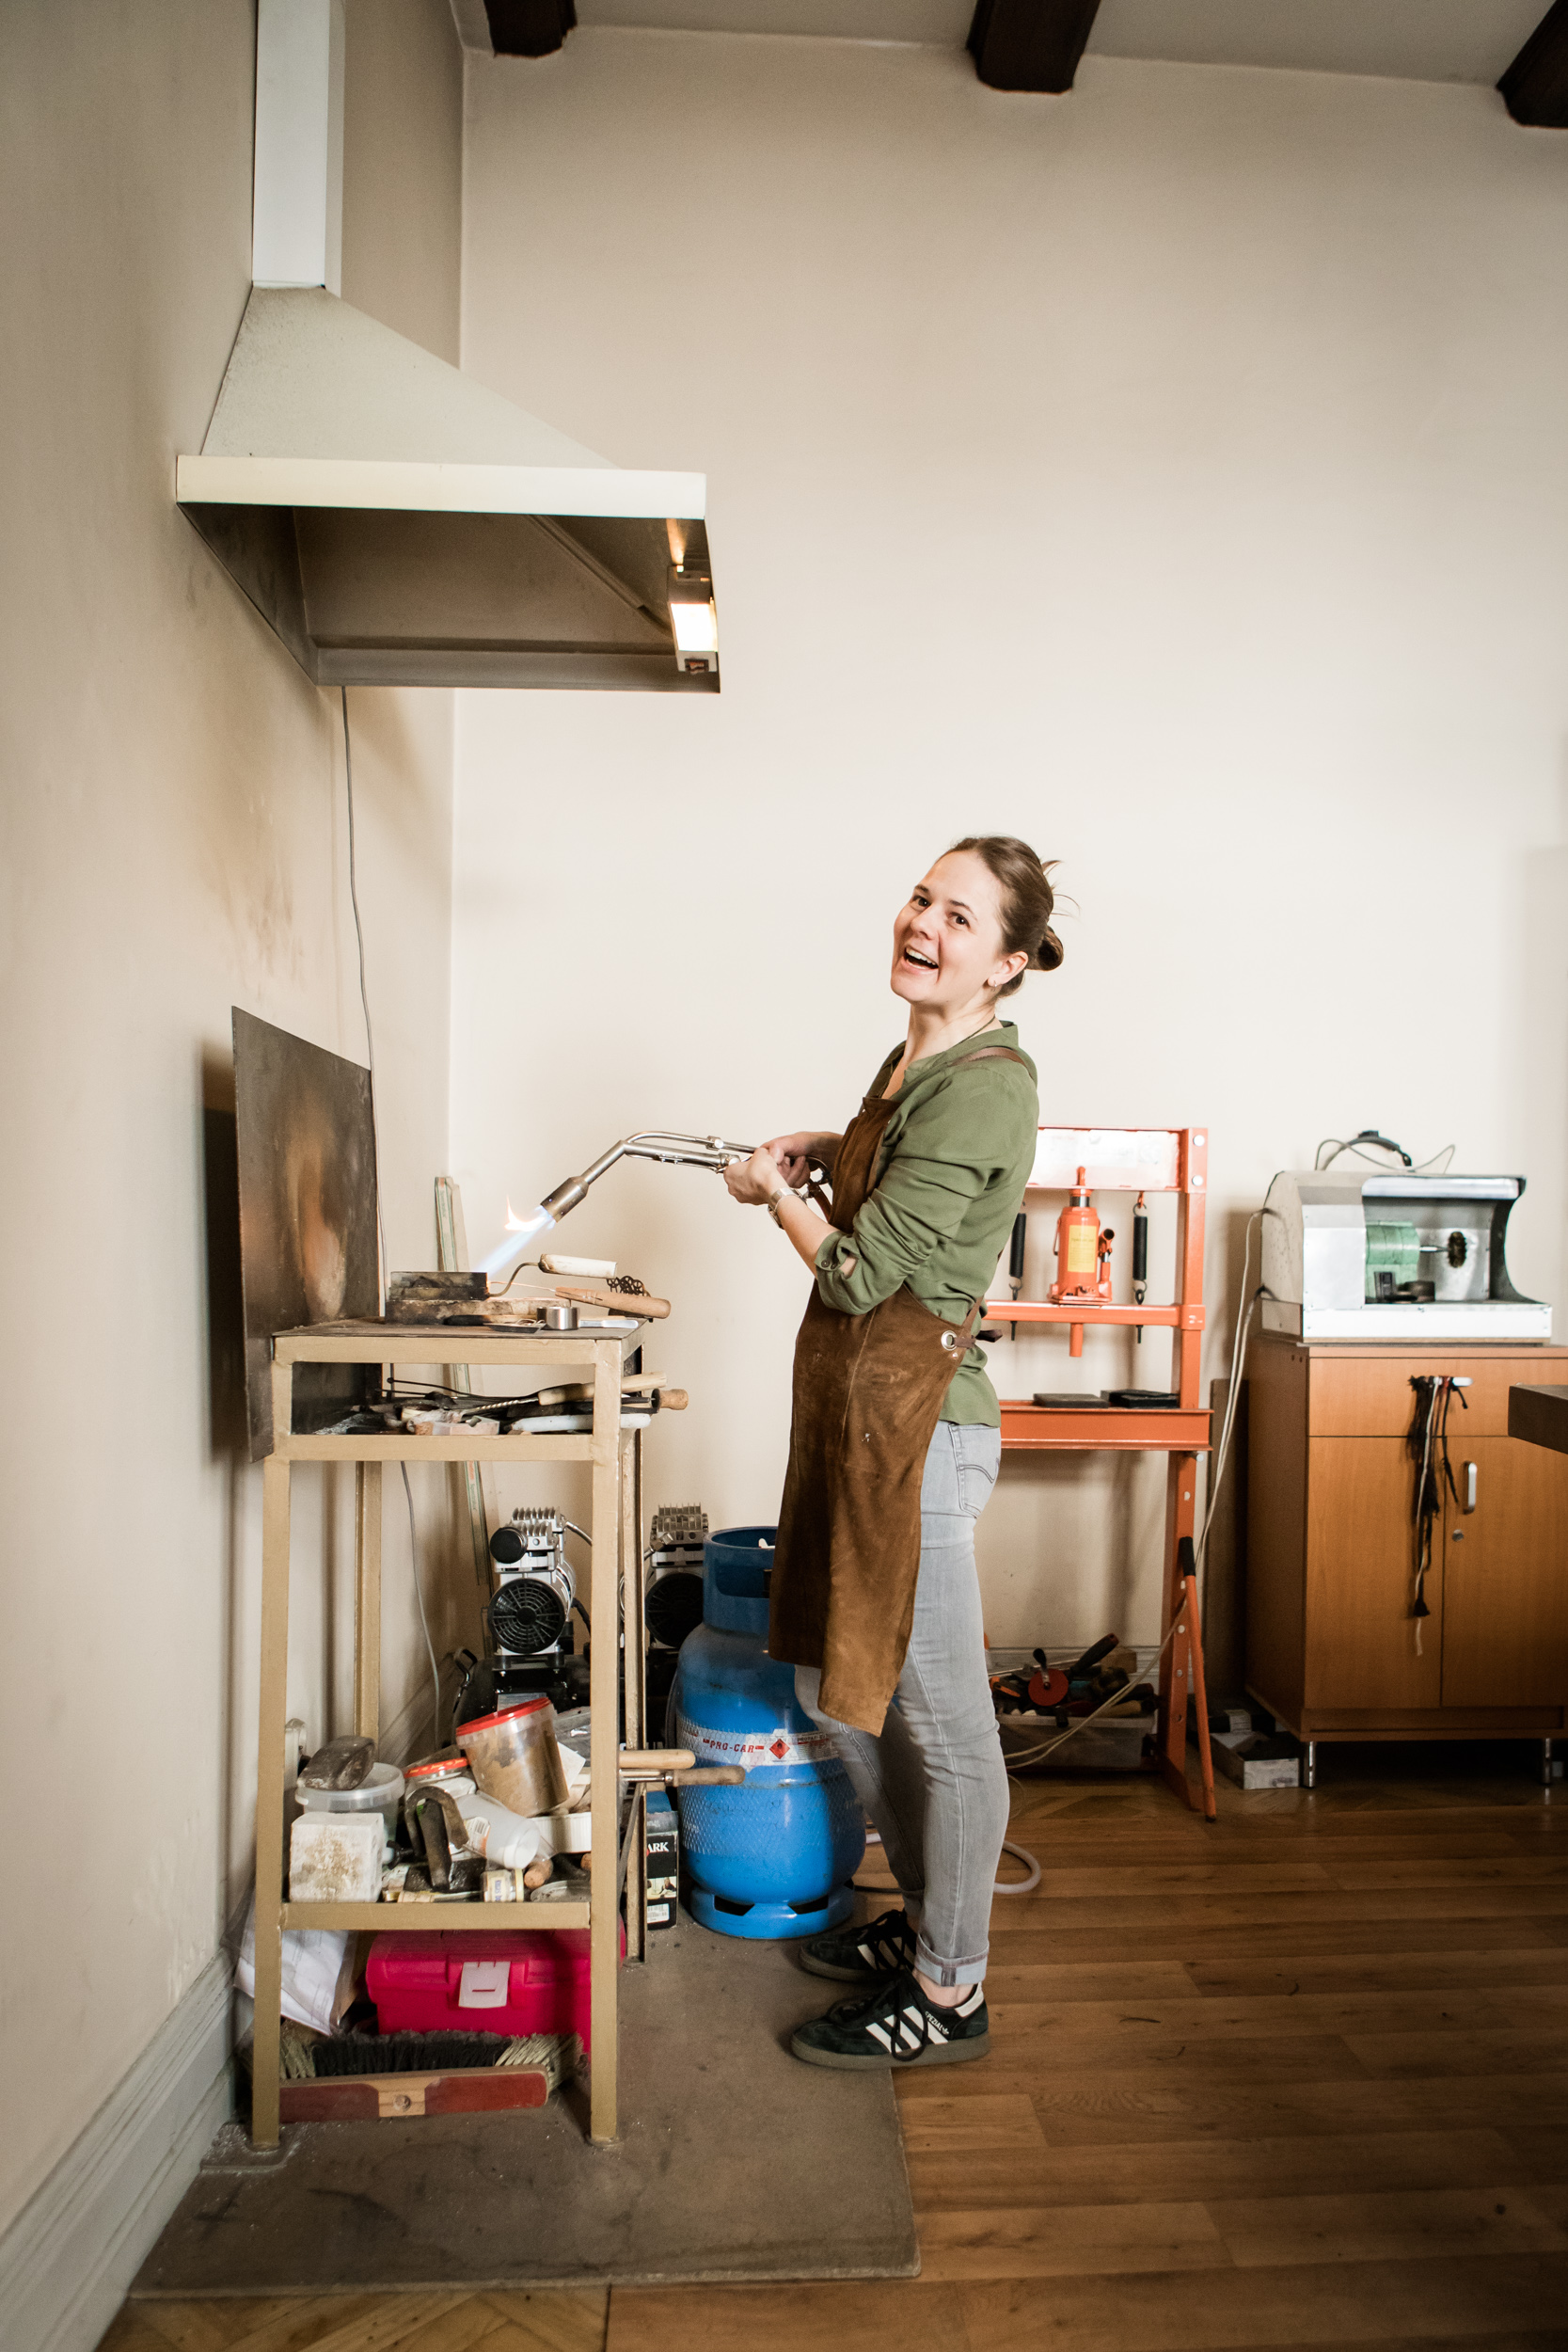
506 1982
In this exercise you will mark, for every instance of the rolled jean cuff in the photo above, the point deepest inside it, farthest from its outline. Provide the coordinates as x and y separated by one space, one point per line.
948 1972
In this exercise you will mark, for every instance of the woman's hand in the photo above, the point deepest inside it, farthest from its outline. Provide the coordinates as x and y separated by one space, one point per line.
758 1181
755 1181
794 1154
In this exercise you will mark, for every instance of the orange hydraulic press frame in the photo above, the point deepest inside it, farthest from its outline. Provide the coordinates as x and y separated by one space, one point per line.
1133 1160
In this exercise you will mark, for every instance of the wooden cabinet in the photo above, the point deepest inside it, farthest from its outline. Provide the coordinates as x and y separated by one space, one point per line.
1505 1577
1332 1647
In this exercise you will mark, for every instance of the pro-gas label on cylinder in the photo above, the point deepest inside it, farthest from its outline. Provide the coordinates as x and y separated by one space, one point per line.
776 1746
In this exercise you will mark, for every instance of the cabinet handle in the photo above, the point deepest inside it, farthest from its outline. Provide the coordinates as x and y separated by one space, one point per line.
1469 1501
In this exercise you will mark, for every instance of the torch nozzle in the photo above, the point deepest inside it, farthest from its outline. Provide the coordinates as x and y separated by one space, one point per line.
675 1150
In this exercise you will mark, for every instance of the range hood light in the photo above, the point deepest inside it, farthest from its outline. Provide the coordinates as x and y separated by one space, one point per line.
694 621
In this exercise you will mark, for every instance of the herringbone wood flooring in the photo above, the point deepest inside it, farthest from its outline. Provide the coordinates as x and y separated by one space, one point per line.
1298 2080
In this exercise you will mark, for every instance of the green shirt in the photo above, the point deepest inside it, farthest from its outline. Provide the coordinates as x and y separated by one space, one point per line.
955 1156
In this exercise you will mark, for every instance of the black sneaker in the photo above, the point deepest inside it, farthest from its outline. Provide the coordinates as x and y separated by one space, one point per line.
869 1955
896 2027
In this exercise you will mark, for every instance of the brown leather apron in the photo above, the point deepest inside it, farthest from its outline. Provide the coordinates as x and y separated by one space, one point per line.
868 1392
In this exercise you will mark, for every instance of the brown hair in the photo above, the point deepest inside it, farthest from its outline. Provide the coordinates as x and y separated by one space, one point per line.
1027 901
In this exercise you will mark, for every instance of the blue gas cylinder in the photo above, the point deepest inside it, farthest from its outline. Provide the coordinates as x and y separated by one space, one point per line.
774 1857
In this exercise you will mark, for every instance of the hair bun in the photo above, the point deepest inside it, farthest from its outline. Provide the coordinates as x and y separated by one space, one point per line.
1048 955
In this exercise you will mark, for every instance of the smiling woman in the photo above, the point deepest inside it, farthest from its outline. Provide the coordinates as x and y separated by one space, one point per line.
896 1442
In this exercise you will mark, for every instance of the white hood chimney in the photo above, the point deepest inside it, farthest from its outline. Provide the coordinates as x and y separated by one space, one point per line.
395 522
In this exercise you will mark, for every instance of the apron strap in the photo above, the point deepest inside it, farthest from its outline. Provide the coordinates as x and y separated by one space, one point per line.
991 1052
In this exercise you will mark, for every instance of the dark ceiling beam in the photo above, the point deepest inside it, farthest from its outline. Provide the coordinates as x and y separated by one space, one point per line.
528 28
1032 45
1535 87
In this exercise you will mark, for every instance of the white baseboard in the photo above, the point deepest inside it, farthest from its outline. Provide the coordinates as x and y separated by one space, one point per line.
69 2256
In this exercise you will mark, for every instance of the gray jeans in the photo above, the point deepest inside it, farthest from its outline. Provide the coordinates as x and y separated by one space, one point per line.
933 1779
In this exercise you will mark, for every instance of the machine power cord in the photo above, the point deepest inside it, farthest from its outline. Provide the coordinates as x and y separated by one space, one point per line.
1019 1886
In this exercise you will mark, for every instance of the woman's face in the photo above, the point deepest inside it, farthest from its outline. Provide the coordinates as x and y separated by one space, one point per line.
947 943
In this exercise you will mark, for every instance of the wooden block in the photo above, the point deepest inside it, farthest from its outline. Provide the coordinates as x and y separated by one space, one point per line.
399 2098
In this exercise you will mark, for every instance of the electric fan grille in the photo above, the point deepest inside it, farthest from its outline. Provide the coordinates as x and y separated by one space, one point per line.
674 1607
527 1614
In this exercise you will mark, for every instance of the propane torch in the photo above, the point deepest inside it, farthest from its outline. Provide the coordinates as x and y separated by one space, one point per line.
674 1151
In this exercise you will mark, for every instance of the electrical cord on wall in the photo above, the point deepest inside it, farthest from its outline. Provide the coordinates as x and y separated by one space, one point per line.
424 1622
1237 1362
380 1228
1386 1143
365 1005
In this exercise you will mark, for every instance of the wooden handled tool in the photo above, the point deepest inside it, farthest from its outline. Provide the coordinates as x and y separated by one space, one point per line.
709 1776
640 1303
658 1760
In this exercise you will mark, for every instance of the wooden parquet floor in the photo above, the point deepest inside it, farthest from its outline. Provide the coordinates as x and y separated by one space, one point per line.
1299 2078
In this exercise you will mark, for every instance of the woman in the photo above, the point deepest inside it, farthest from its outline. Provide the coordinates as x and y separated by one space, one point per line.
894 1445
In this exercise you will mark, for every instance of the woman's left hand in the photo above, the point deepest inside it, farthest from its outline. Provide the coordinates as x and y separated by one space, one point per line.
753 1182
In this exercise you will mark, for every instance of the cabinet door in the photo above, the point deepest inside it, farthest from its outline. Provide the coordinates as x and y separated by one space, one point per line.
1361 1639
1505 1583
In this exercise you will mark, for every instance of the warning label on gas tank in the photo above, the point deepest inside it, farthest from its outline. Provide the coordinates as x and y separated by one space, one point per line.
754 1748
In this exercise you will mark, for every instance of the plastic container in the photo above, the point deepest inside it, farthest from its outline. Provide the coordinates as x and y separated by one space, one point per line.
418 1982
773 1858
382 1792
436 1768
513 1758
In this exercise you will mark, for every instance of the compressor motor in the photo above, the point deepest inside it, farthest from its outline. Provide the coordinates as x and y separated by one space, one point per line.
529 1618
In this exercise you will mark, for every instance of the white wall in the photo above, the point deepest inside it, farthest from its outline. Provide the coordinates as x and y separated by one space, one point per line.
174 845
1172 473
